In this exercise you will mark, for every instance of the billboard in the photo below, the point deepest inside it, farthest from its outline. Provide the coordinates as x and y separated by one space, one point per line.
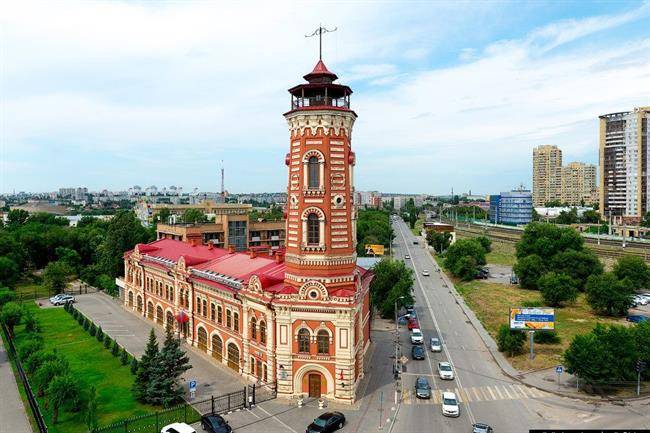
532 319
375 250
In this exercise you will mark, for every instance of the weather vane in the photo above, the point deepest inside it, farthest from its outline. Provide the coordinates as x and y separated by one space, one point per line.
319 31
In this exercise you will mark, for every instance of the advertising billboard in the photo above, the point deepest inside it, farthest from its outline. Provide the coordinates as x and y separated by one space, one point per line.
375 250
532 319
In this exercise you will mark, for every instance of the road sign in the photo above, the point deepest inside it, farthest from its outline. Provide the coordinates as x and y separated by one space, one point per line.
192 385
640 366
559 369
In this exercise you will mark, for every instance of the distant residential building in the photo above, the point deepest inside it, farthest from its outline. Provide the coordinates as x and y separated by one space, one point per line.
623 165
512 207
578 184
146 210
66 192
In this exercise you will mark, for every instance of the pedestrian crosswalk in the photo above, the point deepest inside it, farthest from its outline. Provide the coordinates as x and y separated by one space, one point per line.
477 393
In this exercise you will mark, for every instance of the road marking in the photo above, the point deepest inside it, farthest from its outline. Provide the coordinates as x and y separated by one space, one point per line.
507 393
491 393
276 418
514 390
465 394
458 396
478 396
496 388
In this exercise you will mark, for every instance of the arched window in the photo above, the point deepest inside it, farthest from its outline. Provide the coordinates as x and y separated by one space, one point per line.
303 341
263 332
323 342
313 172
253 328
313 229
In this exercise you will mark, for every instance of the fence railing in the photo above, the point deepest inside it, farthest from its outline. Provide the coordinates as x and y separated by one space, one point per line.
262 392
33 404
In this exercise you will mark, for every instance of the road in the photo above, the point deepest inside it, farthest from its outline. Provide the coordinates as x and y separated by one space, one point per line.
486 394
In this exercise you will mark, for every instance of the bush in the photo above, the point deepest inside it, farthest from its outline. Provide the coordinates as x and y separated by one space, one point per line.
100 334
532 304
510 342
634 270
607 295
107 342
124 357
32 324
115 350
35 360
557 289
465 268
80 318
28 347
11 315
485 242
134 366
92 330
546 337
86 323
528 269
6 295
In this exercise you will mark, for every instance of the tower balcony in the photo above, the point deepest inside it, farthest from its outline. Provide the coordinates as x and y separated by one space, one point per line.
320 102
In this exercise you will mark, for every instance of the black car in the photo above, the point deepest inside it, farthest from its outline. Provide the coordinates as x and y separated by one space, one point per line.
422 387
482 274
215 424
417 352
327 422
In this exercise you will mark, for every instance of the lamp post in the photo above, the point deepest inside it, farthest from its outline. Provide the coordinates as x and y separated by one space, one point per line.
395 371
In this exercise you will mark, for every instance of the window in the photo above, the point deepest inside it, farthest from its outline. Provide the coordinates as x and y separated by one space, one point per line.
212 311
303 341
323 342
264 374
205 308
254 329
313 172
252 366
263 332
220 314
235 319
313 229
228 318
197 307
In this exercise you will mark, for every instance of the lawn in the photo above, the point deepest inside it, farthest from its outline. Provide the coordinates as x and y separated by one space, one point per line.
491 303
502 254
92 365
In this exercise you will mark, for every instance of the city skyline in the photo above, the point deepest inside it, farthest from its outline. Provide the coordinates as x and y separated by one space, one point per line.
137 104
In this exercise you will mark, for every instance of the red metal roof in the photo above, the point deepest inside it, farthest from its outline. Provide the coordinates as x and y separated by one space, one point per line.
320 70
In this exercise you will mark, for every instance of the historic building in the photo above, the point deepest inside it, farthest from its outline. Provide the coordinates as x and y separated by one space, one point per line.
297 317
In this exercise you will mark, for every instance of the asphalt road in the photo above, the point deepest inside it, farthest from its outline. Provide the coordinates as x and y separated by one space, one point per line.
486 394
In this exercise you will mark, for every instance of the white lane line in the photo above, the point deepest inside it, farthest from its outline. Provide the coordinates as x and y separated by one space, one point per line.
435 321
276 418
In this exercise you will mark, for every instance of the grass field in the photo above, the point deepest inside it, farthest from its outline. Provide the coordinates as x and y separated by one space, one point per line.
501 254
92 365
491 303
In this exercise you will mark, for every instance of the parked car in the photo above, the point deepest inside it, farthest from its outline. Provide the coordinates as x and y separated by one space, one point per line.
178 427
637 318
482 273
413 323
327 422
407 257
61 299
417 352
445 371
416 243
436 345
422 387
425 272
215 424
416 336
514 279
640 300
450 405
479 427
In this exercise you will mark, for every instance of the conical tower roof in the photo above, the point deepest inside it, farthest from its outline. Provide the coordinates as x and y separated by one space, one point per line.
320 74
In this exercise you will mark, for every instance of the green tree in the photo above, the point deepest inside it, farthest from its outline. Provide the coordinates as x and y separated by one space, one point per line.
63 391
172 363
90 416
439 241
69 256
9 271
162 216
546 240
6 295
579 265
124 357
194 216
464 247
124 231
528 269
29 346
134 366
146 367
557 289
32 324
48 370
392 279
92 330
646 220
107 341
608 295
16 217
590 217
485 242
570 217
465 268
633 270
11 315
115 349
36 359
587 358
509 341
56 276
100 334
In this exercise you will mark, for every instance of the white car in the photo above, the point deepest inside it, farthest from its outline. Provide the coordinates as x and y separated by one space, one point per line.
416 336
178 427
445 371
641 299
61 299
407 257
436 345
425 272
450 405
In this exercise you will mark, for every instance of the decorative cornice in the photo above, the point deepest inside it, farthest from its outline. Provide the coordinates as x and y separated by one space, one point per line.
329 121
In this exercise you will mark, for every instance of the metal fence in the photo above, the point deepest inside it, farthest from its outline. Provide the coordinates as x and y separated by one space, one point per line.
262 392
33 404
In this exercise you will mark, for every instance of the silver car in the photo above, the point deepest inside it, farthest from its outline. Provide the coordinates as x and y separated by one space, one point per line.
436 345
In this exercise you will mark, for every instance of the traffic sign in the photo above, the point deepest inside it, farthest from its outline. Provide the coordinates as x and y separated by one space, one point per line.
640 366
192 385
559 369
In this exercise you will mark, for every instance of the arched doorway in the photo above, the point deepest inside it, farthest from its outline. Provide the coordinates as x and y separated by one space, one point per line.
202 336
139 304
233 356
159 315
131 299
150 310
217 348
169 319
314 383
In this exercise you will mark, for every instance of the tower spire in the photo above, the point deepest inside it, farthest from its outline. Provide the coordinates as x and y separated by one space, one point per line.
319 31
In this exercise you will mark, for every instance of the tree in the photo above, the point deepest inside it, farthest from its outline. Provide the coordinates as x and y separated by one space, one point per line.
391 281
63 391
32 324
163 216
9 271
579 265
36 359
100 334
134 366
528 270
115 349
53 366
608 295
172 363
439 241
145 368
485 242
56 276
546 240
633 270
587 358
11 315
16 217
194 216
646 220
124 231
27 347
69 256
590 217
570 217
6 295
107 341
124 357
509 341
465 268
91 410
557 289
462 248
92 330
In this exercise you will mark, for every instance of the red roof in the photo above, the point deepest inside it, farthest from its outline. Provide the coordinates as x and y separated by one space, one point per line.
320 70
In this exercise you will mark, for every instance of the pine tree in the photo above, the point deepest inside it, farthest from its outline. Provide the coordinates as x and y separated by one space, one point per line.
134 366
173 363
115 350
107 342
100 334
93 330
145 369
124 357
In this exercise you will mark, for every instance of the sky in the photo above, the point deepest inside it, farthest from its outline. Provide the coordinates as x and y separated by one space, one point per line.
110 94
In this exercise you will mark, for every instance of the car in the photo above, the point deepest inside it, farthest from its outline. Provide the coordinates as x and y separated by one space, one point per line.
215 424
416 243
445 371
417 352
422 387
450 405
436 345
413 323
178 427
637 318
410 308
482 274
62 299
640 300
416 336
407 257
425 272
479 427
327 422
514 279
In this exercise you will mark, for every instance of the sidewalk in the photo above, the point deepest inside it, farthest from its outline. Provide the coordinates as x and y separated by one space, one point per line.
12 410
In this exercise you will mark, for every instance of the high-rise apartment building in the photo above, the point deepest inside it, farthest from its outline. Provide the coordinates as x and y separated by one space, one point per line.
547 174
623 164
578 183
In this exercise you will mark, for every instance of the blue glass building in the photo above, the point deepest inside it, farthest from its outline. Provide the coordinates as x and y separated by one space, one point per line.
512 207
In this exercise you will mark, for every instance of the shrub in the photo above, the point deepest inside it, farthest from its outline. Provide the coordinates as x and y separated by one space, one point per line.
532 304
80 318
86 324
557 289
465 268
510 342
115 350
92 330
528 269
124 357
6 295
107 342
485 242
32 324
35 360
134 366
607 295
29 346
100 334
546 337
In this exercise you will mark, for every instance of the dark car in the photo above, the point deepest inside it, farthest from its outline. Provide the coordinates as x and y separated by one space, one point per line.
479 427
327 422
637 318
482 274
215 424
422 387
417 352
